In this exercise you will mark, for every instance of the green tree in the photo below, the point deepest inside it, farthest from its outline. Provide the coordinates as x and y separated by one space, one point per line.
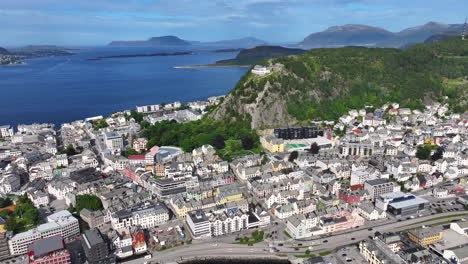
5 213
11 224
5 202
137 116
247 143
130 152
423 152
88 201
293 156
219 142
314 148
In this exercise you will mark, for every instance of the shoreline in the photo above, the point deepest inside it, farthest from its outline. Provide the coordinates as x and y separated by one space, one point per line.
16 64
212 66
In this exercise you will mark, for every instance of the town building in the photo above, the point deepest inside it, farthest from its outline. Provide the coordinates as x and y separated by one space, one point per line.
167 187
260 70
49 250
199 224
61 223
6 131
378 187
297 132
94 219
401 204
113 141
139 144
425 236
95 248
457 254
272 144
375 251
145 215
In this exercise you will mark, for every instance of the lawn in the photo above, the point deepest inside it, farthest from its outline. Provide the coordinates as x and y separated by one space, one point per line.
287 234
257 237
310 255
436 218
305 256
235 148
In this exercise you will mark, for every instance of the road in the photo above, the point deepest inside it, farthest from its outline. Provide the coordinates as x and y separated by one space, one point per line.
213 248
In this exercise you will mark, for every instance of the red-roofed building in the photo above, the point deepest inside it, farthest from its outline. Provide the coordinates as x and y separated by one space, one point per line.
393 111
349 196
357 187
138 240
49 250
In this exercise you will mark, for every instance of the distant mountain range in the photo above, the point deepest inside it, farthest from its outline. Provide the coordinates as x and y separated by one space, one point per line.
336 36
248 42
368 36
3 51
441 36
155 41
347 35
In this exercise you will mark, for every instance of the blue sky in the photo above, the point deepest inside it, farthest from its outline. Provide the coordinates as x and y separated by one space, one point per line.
97 22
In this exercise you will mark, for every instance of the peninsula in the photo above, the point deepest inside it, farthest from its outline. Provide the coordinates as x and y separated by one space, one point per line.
249 57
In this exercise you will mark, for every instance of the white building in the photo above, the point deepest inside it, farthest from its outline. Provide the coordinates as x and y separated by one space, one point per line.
39 198
260 70
199 224
297 227
146 216
6 131
59 189
114 141
147 108
228 222
61 223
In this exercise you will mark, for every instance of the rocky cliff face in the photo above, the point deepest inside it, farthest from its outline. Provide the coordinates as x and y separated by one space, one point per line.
266 110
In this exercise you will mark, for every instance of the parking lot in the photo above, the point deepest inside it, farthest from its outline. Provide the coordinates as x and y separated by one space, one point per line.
166 236
444 206
349 254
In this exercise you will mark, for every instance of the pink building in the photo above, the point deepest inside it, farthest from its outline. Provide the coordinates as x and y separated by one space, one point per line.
340 221
139 144
49 250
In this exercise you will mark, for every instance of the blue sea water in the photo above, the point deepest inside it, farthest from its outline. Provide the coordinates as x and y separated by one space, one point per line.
63 89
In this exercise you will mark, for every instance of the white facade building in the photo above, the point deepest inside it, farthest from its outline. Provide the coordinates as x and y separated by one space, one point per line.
146 216
61 223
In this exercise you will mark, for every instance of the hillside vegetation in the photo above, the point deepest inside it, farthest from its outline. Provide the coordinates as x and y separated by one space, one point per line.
325 83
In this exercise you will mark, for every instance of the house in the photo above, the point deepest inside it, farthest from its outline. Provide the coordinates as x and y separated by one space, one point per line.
370 212
272 144
94 219
457 254
260 70
49 250
425 236
297 227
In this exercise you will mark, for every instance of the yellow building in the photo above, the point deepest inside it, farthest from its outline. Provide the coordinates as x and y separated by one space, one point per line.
278 165
377 252
425 236
272 144
429 141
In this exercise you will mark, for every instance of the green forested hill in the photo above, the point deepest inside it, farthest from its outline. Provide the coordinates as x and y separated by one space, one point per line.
254 55
325 83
